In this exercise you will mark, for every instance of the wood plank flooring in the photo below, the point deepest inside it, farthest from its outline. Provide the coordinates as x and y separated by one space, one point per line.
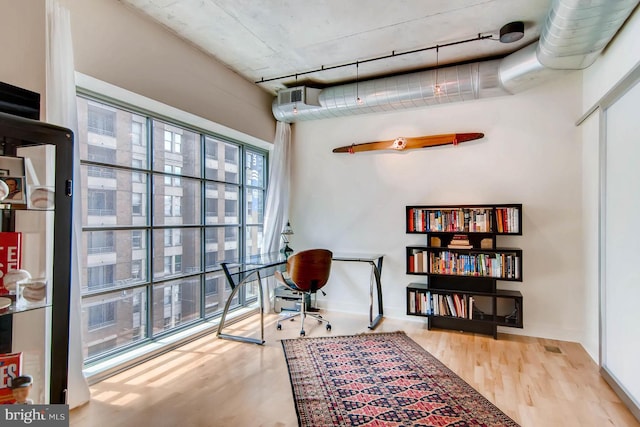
214 382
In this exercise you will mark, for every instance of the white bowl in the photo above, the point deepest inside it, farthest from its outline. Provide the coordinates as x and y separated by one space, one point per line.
12 277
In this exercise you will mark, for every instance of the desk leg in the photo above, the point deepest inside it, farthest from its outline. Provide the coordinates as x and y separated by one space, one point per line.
234 290
377 271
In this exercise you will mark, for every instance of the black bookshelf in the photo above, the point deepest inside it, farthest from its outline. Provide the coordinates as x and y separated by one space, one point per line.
463 265
24 140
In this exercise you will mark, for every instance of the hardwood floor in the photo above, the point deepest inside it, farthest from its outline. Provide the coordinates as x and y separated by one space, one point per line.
213 382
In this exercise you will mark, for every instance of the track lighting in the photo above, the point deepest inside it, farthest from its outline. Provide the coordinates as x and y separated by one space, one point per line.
359 101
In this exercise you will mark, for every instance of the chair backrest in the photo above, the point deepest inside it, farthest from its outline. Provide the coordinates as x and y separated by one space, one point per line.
310 269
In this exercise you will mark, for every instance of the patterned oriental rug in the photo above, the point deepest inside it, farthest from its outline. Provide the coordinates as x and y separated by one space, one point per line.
380 379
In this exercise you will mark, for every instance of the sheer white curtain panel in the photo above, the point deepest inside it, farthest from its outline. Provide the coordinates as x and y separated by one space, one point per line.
61 110
277 203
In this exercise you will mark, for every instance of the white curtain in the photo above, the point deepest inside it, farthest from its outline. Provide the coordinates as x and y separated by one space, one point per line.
277 209
61 110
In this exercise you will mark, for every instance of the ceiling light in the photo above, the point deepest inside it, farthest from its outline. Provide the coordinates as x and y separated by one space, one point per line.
512 32
358 100
437 90
295 104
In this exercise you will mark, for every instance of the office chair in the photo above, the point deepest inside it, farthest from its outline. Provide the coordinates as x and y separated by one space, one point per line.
307 272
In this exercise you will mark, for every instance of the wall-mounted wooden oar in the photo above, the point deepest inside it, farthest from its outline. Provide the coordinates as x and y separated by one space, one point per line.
410 143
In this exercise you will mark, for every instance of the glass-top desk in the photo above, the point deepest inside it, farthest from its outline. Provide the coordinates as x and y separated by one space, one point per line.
240 272
375 260
254 267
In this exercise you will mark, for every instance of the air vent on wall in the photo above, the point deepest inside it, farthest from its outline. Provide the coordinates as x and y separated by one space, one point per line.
299 95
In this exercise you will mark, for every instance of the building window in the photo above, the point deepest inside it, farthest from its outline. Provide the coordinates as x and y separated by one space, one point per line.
136 239
136 133
100 277
168 265
136 204
101 120
101 202
137 176
168 238
169 180
101 154
172 142
136 269
211 287
184 191
100 242
102 315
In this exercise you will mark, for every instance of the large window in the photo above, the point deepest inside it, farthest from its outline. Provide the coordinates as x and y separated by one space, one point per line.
165 204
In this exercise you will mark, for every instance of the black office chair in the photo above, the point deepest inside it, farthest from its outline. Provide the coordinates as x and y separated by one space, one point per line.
307 272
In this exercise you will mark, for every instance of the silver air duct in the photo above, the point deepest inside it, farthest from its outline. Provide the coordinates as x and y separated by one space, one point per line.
458 83
574 34
576 31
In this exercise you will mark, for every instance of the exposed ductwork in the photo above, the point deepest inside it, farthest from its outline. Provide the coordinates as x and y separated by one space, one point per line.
574 34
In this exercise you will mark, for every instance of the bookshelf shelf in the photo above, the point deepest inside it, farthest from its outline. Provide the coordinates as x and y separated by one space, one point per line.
463 264
35 248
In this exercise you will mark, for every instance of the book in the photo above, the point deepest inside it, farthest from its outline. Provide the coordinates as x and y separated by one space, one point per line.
452 306
10 367
459 246
460 241
10 255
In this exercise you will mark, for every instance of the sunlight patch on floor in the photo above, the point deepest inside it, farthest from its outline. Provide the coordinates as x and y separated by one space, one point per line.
127 399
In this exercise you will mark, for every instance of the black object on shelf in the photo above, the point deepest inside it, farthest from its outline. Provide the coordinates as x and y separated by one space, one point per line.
19 102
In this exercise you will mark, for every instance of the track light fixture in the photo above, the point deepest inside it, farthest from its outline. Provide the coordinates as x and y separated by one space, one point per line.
437 90
358 100
295 104
393 54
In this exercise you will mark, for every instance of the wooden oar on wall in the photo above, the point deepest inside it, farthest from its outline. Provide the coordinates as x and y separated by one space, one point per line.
400 144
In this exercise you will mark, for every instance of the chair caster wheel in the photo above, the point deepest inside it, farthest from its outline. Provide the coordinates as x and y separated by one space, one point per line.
279 327
328 327
302 333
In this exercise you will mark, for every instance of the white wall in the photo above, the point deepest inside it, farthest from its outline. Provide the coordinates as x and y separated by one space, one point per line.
622 54
530 155
22 43
117 45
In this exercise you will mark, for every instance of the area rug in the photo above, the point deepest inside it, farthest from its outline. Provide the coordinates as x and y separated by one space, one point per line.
380 379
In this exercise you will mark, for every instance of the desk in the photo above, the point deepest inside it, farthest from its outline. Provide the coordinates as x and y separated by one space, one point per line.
376 270
240 272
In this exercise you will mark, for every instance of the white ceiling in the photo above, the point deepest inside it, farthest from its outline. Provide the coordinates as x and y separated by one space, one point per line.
264 39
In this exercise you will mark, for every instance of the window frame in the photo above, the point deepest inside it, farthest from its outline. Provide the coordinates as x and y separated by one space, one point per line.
148 280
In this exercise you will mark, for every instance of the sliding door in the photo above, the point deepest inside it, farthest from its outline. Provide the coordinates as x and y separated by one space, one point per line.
620 244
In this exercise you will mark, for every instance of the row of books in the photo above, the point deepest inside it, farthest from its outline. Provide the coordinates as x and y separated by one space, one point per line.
499 265
507 220
418 261
477 220
433 304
